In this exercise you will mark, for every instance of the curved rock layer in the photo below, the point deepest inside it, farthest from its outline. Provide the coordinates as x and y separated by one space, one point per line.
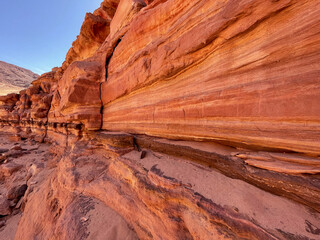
107 186
219 102
242 72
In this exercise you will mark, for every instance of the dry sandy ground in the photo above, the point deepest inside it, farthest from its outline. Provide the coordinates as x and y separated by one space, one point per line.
6 89
268 210
114 227
34 153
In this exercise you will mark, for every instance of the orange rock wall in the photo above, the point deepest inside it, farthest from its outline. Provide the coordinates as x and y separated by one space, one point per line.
240 72
245 74
94 30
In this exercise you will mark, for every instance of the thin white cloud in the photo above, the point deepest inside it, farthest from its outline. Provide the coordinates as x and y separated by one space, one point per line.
38 70
20 64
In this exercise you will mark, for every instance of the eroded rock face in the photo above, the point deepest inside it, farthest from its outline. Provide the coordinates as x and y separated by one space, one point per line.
94 30
231 77
31 104
7 104
101 186
227 71
77 96
234 84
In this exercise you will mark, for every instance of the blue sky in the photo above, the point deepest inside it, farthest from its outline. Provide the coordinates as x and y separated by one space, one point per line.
36 34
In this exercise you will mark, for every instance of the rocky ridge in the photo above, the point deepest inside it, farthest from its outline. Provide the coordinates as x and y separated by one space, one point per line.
14 78
193 86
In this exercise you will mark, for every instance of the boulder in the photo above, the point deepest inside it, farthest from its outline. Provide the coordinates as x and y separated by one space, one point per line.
16 192
8 169
4 206
3 150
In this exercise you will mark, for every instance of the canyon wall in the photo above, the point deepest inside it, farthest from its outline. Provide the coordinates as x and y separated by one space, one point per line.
231 86
244 72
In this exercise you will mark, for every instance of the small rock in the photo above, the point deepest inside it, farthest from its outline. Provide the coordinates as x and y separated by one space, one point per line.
4 206
19 203
143 154
3 150
2 223
2 158
17 148
16 192
84 219
9 168
36 147
33 169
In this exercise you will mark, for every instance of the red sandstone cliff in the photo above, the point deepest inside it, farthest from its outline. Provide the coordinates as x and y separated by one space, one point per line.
195 87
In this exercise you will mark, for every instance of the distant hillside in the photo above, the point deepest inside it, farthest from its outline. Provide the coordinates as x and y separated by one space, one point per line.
14 78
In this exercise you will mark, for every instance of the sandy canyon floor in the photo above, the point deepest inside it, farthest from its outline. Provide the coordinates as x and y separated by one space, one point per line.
86 192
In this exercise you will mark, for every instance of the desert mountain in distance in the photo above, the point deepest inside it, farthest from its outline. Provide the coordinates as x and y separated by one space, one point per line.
14 78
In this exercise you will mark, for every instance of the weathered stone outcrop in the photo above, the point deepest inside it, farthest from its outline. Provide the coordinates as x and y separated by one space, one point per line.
7 104
76 98
31 104
158 195
94 30
245 73
196 88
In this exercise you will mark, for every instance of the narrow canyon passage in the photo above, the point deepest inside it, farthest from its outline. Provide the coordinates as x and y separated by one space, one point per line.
170 119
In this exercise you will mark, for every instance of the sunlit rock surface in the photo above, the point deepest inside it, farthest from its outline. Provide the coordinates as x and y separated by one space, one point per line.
177 119
243 72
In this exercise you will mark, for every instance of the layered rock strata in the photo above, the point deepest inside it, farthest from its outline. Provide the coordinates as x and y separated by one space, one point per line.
245 73
233 76
158 195
201 86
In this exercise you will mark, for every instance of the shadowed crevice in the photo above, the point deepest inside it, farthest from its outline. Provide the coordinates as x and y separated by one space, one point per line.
106 78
